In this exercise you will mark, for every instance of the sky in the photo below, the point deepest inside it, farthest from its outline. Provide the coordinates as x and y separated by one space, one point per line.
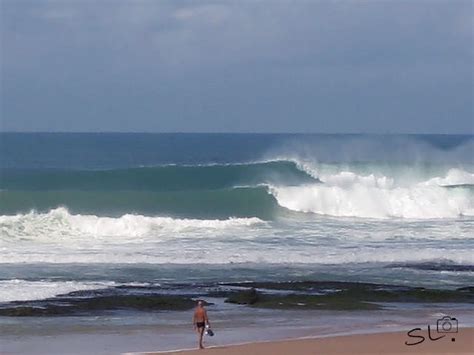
237 66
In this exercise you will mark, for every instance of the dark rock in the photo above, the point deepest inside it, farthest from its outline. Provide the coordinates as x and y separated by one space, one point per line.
102 303
249 296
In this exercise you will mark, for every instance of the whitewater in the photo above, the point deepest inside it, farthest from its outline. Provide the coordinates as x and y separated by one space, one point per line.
348 194
278 207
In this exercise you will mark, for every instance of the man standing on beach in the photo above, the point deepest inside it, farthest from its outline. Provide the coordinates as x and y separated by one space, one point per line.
200 320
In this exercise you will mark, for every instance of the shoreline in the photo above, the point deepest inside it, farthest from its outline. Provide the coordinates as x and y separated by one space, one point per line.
364 343
235 326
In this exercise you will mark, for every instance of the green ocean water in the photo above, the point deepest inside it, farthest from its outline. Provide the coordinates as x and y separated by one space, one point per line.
92 211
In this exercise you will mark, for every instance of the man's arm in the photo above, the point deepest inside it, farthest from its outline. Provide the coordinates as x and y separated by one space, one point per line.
194 320
206 318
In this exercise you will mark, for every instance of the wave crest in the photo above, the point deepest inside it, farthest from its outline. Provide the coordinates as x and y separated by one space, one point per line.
59 223
348 194
264 190
454 177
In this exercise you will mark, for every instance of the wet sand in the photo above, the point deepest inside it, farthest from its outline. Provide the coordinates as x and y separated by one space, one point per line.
381 343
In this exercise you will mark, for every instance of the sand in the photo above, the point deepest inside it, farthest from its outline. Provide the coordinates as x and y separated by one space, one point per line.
381 343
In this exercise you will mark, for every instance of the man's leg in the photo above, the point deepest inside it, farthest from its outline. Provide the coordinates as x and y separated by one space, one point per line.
201 333
198 332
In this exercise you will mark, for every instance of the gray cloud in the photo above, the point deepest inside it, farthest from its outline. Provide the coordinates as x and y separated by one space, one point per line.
297 66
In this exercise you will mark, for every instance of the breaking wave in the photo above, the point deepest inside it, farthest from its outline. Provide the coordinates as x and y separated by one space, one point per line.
348 194
263 190
59 223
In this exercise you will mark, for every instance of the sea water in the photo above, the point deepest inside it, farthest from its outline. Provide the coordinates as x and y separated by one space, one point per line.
220 202
101 211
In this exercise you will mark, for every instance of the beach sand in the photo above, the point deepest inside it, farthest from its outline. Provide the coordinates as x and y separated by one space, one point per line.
381 343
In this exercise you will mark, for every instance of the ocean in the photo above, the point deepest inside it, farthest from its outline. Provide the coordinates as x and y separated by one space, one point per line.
88 214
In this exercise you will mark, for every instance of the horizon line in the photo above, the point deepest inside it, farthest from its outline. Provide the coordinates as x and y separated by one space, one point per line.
227 132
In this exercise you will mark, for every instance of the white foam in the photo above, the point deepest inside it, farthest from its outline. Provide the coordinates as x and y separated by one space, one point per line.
346 179
59 223
453 177
372 202
23 290
61 237
349 194
213 253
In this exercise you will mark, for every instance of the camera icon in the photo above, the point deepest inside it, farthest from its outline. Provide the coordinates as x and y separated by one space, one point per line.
447 325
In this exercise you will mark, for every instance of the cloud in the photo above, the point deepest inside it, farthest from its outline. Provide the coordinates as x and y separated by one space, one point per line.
230 59
212 14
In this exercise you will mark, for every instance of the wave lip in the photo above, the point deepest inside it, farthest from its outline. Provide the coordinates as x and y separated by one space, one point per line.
159 178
